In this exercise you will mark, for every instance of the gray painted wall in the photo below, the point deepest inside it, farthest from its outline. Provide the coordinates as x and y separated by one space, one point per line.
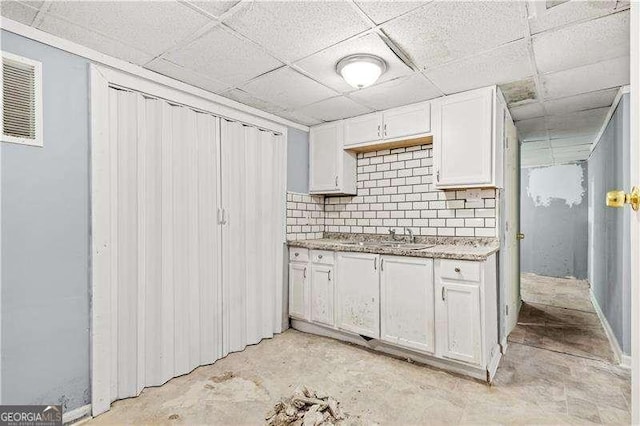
45 242
297 161
553 217
609 242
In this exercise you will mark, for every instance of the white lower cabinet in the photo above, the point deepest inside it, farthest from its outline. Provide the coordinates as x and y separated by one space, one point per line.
406 297
322 295
441 311
298 293
358 293
459 321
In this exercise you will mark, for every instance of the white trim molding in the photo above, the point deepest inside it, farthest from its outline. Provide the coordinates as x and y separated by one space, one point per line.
607 118
622 359
136 70
78 413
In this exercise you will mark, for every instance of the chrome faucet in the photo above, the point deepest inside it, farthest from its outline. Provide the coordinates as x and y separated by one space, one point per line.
412 238
392 234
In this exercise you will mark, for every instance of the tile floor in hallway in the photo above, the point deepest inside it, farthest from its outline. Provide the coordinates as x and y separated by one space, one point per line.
557 314
532 386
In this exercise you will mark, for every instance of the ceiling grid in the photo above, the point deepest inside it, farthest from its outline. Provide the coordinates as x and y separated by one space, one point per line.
559 66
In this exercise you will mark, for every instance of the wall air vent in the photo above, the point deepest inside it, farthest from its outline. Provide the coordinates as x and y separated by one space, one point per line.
21 100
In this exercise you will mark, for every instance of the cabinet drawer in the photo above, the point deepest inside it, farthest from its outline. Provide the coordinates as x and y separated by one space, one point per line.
322 256
460 270
298 254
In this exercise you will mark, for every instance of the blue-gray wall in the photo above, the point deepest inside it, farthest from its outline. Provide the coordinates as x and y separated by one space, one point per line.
609 268
297 161
553 217
45 242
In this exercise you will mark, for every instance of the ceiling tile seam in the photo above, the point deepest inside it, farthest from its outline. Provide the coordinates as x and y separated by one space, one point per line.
198 74
55 16
580 21
197 9
44 9
534 69
187 40
327 99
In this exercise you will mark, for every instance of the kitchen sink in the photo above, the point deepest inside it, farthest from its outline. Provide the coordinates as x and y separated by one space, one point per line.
391 244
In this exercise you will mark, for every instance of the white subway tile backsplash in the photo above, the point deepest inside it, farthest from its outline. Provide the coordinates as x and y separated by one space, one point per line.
395 190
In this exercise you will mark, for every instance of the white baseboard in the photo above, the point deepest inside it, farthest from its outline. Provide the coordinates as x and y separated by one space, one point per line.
622 359
76 414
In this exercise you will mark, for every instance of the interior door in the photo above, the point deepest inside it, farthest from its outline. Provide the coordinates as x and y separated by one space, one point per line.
511 231
161 165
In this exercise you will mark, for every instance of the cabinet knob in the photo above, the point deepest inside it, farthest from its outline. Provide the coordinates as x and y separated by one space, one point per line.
457 269
296 254
319 256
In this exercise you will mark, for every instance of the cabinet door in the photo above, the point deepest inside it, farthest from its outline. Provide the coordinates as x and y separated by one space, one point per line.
406 302
298 294
322 295
365 128
358 290
460 321
463 139
325 149
406 121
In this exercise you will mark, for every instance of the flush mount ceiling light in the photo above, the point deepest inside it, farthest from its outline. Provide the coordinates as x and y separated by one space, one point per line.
361 70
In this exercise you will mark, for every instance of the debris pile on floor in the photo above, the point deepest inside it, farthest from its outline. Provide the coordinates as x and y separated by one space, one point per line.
306 408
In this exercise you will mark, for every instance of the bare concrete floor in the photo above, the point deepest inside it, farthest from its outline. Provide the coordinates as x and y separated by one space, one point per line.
532 386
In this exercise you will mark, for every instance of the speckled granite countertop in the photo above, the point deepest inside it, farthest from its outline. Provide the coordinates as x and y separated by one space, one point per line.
461 248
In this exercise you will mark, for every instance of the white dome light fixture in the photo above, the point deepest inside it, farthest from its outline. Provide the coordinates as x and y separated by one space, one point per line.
361 70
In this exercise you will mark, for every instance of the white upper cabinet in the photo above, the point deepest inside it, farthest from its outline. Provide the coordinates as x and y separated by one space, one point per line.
393 124
364 128
407 121
466 151
332 170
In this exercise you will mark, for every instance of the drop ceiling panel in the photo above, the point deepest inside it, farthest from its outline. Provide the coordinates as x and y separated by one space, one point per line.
506 63
225 57
582 44
298 117
334 109
322 65
216 8
93 40
444 31
151 27
535 145
293 30
172 70
248 99
570 12
532 129
401 91
382 11
20 12
588 78
518 92
526 111
588 119
579 140
288 89
583 101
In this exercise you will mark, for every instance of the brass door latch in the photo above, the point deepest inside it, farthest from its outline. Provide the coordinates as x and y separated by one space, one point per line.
520 236
619 198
